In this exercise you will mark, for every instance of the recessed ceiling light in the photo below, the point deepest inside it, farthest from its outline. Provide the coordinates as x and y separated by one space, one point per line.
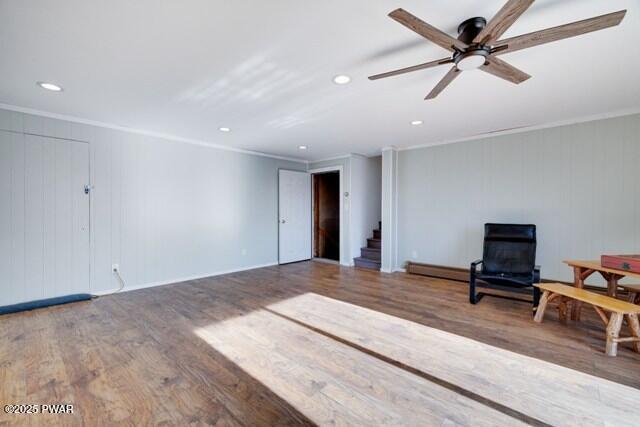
224 129
341 79
302 147
49 86
416 122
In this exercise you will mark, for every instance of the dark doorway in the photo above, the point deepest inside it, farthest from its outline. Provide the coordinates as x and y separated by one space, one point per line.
326 215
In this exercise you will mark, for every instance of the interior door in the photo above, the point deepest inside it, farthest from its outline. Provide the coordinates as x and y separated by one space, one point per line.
294 208
44 218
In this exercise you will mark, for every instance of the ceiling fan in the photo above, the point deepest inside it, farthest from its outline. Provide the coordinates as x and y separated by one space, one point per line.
478 47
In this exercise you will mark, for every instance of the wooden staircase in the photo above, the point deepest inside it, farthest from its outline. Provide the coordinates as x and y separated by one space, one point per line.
370 256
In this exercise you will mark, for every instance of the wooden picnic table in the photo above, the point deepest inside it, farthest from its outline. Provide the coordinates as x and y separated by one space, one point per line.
582 269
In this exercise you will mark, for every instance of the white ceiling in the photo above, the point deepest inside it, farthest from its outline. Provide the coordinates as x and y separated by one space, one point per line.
265 69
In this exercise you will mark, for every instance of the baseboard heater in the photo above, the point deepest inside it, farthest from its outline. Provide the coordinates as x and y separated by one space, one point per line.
439 271
462 274
48 302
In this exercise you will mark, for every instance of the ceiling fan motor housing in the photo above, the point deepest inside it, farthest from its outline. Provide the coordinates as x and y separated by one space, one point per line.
469 29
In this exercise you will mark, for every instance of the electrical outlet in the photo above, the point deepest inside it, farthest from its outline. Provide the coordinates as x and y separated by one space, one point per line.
244 252
115 267
414 254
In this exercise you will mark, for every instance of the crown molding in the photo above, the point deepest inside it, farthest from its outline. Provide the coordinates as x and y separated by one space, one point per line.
345 156
327 159
168 137
523 129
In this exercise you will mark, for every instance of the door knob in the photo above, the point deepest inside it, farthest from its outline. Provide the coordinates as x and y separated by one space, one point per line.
282 221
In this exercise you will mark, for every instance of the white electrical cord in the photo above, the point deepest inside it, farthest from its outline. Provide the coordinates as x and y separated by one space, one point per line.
120 279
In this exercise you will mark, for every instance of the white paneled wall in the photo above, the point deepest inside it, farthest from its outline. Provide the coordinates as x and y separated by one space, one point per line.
162 210
366 206
579 184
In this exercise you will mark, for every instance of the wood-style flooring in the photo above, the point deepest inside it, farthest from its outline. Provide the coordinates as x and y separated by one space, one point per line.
311 343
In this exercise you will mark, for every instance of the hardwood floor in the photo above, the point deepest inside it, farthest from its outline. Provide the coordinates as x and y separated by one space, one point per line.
251 348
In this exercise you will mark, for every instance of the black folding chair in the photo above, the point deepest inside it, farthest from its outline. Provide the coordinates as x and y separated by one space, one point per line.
508 261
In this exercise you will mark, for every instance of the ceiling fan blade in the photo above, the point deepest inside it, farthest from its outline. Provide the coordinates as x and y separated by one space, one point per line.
413 68
427 31
504 19
558 33
501 69
446 80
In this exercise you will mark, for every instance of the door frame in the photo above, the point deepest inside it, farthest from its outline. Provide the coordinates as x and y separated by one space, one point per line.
278 210
339 169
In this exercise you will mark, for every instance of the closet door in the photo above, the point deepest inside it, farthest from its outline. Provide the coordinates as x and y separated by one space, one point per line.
44 217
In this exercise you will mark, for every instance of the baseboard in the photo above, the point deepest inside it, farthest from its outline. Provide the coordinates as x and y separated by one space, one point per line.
183 279
393 270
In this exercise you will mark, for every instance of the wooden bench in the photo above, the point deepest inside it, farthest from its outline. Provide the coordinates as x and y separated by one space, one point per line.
602 304
634 292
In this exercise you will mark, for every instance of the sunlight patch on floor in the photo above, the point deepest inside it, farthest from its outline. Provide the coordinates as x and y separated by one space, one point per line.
541 390
332 383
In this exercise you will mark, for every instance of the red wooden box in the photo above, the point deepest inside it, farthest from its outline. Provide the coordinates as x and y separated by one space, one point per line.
621 262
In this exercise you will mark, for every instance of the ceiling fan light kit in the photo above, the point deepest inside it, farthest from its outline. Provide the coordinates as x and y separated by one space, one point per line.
478 43
471 60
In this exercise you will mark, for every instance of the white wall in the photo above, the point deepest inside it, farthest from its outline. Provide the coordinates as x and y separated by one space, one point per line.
166 210
579 184
366 188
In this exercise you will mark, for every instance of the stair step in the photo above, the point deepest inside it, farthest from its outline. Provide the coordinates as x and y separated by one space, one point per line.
374 243
367 263
377 234
370 253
